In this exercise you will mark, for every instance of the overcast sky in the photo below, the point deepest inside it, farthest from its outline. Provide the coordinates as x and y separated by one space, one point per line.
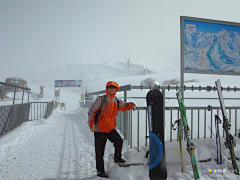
49 33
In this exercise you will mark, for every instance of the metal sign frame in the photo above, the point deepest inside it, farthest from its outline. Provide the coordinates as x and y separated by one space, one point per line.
191 27
68 83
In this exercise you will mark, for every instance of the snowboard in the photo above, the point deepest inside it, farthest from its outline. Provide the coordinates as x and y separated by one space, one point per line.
157 162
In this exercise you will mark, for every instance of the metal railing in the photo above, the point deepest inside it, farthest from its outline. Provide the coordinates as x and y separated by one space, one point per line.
201 117
14 115
39 110
125 125
206 122
4 87
49 110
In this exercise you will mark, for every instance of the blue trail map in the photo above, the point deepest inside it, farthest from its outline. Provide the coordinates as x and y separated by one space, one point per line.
211 47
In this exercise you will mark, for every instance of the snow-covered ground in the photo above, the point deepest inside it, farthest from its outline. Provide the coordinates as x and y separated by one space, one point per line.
62 146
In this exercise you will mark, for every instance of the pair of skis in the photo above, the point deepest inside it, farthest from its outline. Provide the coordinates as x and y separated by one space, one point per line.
190 146
230 141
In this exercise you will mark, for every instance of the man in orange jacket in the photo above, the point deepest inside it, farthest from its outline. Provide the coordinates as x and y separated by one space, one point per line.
105 126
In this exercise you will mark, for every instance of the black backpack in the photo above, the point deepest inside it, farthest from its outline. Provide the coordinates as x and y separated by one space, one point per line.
103 101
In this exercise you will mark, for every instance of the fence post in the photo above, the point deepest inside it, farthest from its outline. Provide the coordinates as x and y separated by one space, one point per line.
138 131
1 90
125 117
131 129
171 125
236 122
146 128
211 123
28 95
14 95
163 93
22 95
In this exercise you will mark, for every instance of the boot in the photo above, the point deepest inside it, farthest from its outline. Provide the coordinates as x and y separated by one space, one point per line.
102 174
120 160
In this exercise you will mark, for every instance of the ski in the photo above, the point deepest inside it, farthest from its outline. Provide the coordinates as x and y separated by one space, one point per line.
126 164
230 141
129 164
218 141
205 160
215 159
186 129
157 162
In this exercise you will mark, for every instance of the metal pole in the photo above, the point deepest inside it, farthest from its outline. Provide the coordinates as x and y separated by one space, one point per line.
31 110
14 95
22 95
198 121
40 111
125 117
37 110
171 125
205 123
138 132
235 122
131 130
182 55
211 123
34 110
180 128
59 97
1 91
146 130
28 95
191 124
163 93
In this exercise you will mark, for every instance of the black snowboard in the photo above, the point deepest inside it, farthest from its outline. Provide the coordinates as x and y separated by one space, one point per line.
157 164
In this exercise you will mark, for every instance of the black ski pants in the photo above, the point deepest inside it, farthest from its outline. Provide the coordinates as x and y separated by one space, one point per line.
100 143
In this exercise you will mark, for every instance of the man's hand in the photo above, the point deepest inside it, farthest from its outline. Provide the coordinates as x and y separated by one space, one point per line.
133 107
92 128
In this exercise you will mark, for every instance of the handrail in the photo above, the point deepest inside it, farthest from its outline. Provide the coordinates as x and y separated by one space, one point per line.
191 88
12 85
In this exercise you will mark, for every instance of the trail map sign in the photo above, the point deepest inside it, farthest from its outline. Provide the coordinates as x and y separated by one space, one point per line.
210 46
68 83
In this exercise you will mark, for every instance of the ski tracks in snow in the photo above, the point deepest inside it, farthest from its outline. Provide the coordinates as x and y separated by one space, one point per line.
77 159
53 148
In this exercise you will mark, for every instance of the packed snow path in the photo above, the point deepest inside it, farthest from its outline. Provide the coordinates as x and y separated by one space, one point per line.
51 148
60 147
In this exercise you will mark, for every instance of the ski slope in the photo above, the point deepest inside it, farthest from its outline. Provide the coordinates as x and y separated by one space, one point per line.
62 146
